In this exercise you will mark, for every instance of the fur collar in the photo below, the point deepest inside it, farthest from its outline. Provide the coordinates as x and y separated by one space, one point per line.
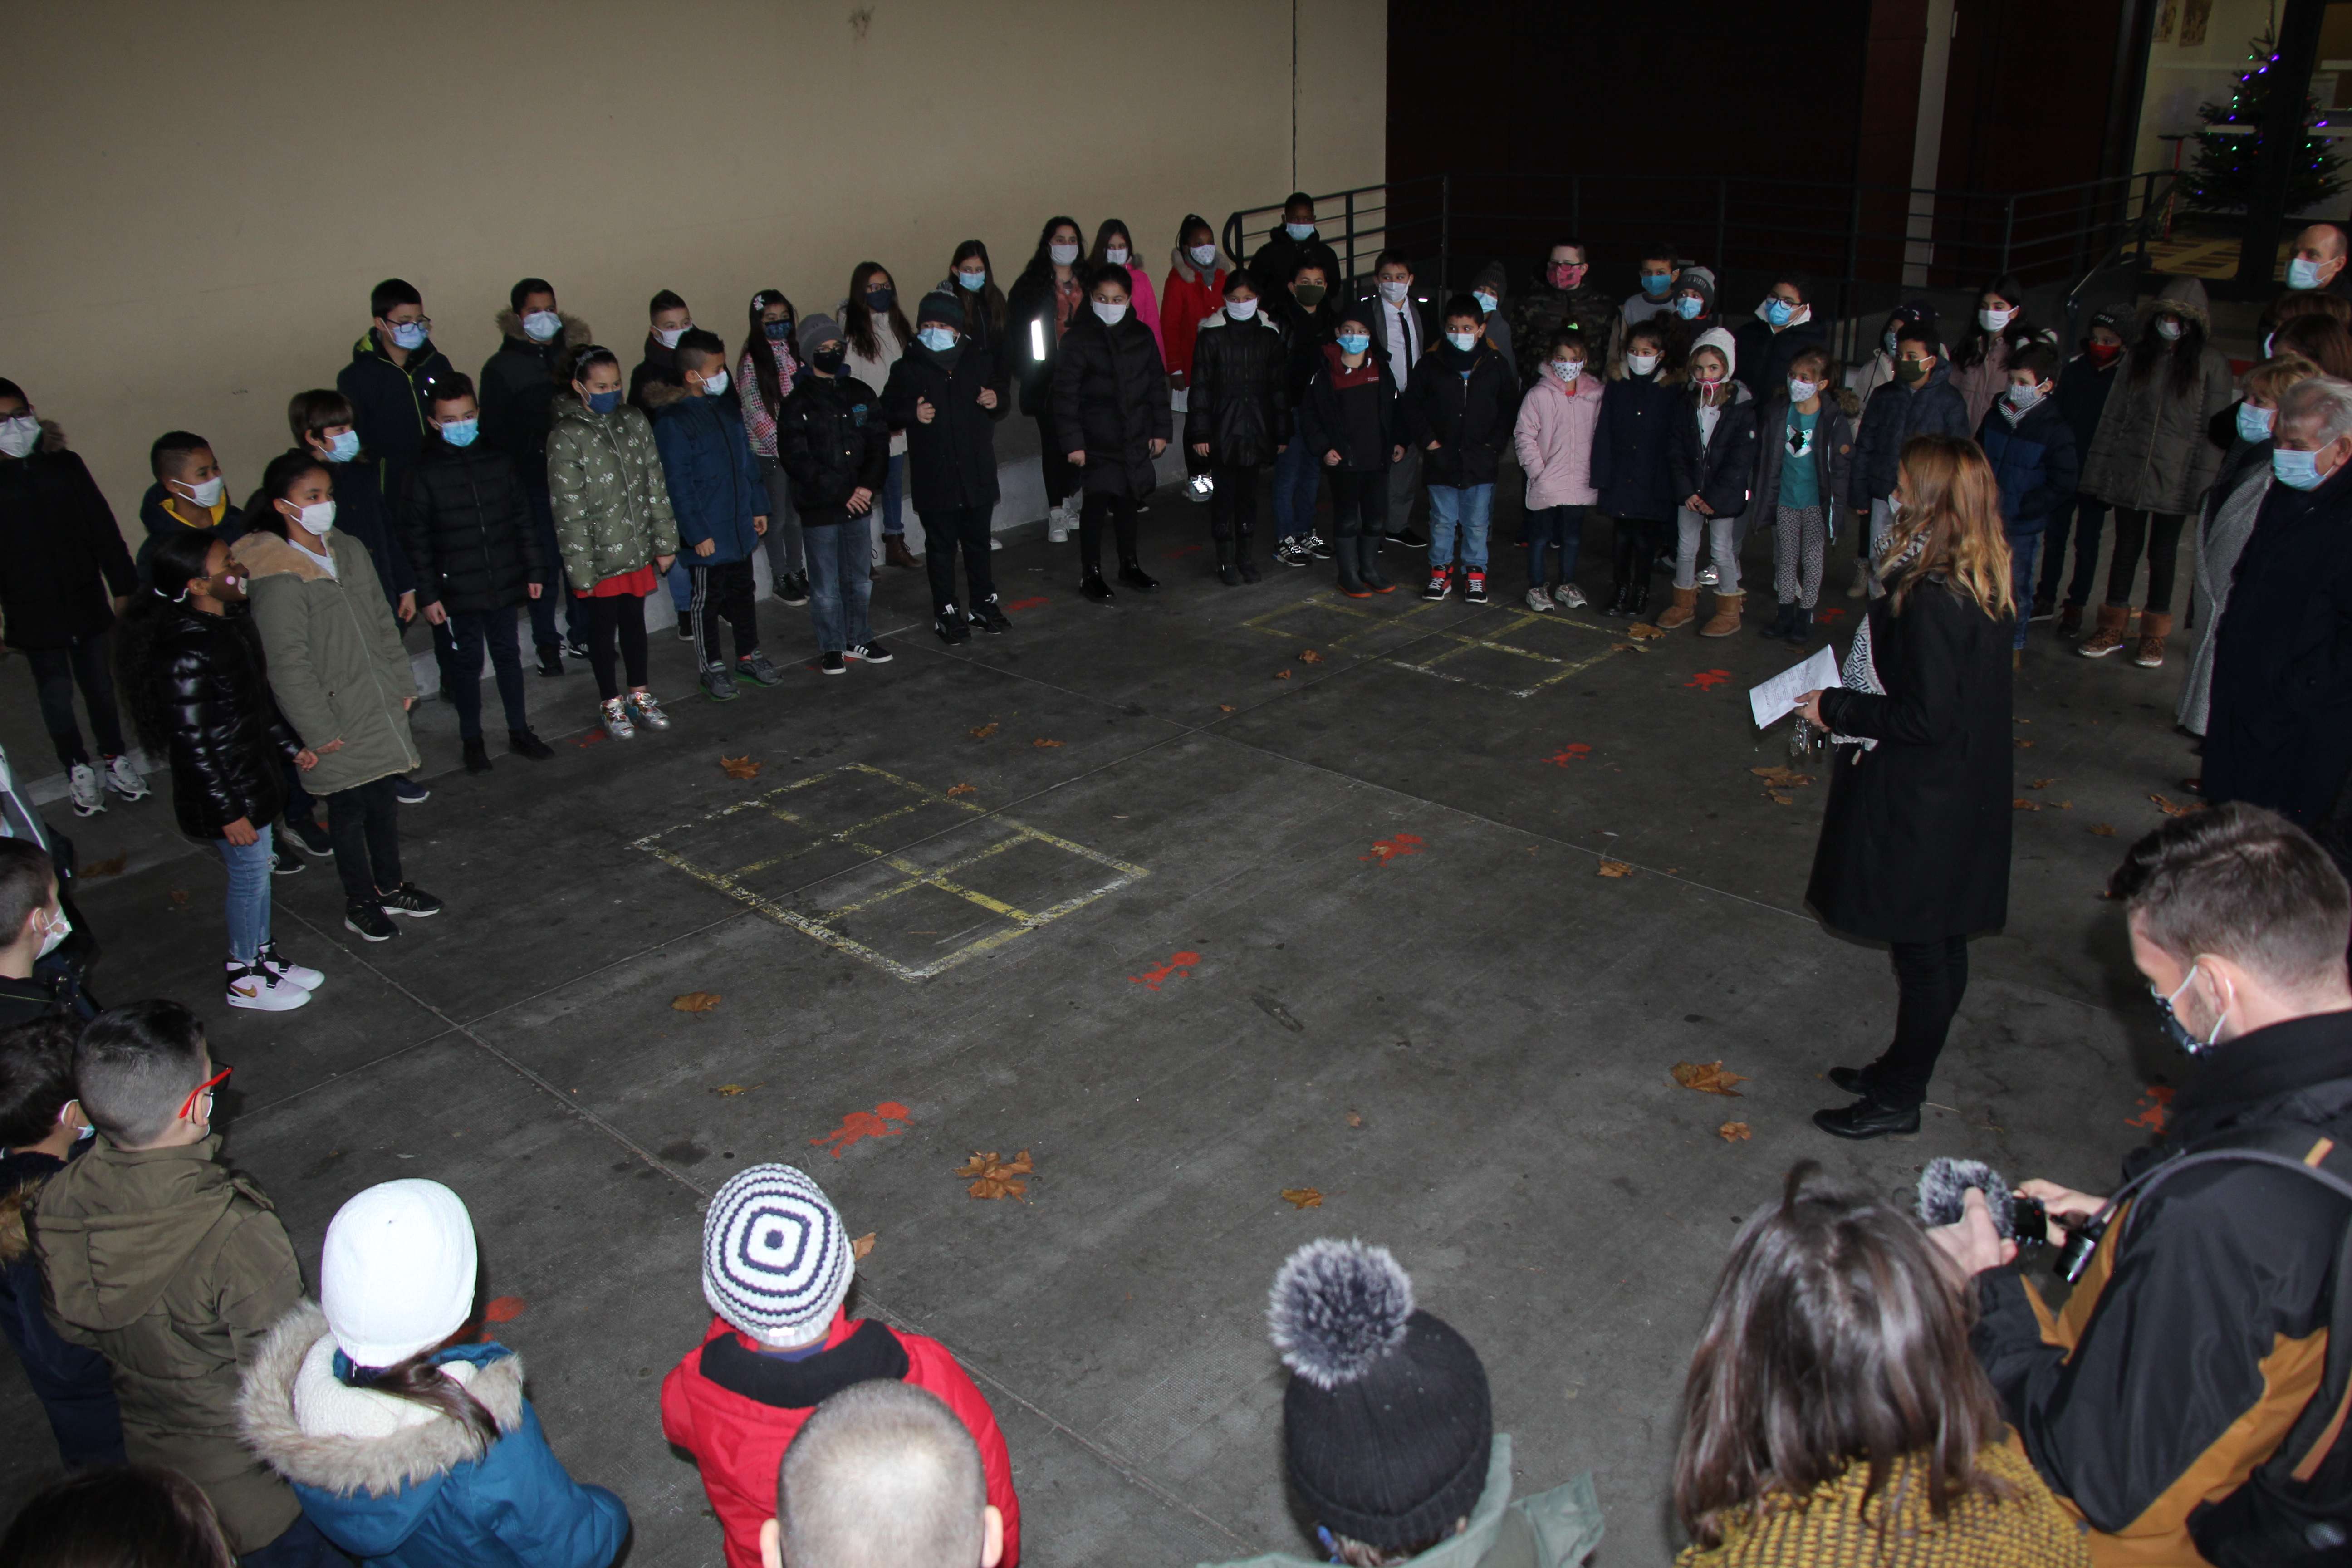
379 1465
659 394
1182 264
575 331
265 554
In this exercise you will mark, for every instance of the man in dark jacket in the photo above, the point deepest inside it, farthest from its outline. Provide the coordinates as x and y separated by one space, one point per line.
518 400
2281 731
1296 244
1238 416
1461 409
466 528
947 393
2032 449
835 445
1920 401
1403 327
1783 327
391 364
721 504
1560 298
2187 1402
2083 387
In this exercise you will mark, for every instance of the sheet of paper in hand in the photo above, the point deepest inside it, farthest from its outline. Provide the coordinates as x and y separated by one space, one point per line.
1777 698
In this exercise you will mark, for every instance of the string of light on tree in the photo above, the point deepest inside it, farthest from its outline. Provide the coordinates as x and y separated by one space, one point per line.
2229 149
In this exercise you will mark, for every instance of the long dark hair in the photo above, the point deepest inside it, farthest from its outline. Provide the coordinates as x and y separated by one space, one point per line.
1041 260
1100 254
2183 358
771 375
135 1516
277 480
992 298
857 316
1835 1340
177 561
420 1381
1976 343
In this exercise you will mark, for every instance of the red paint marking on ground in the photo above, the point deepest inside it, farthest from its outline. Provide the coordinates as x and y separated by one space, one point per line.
2155 1109
1574 751
1387 849
1039 602
1183 550
1827 617
503 1309
1708 680
591 739
874 1124
1178 966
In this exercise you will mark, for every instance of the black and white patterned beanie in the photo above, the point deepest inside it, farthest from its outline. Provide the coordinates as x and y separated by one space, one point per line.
776 1259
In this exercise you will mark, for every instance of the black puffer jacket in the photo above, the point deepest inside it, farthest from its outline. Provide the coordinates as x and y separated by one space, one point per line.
1468 403
1355 413
466 528
517 389
62 559
1110 401
227 739
1720 471
1239 403
951 461
832 439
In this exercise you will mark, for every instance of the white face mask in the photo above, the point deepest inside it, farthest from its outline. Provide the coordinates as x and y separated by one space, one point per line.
319 517
1465 342
2167 329
1641 364
1204 255
1994 320
1062 255
667 336
541 325
1567 370
207 494
1394 290
1111 315
19 434
1241 309
1116 255
1799 391
55 930
715 384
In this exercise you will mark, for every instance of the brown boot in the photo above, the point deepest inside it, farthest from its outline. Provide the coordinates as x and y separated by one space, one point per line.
1682 611
2153 629
2109 637
895 551
1726 619
2070 622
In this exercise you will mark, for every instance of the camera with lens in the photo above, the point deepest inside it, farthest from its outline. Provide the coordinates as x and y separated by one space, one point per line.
1944 1184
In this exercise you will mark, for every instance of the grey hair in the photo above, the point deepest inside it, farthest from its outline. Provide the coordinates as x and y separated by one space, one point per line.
883 1475
2325 402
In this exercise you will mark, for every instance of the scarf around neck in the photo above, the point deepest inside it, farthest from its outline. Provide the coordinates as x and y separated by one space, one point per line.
1860 671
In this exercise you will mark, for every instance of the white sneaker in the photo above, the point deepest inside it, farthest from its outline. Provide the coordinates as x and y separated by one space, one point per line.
1568 596
124 780
1536 600
1861 584
262 992
1707 577
83 788
309 979
1057 525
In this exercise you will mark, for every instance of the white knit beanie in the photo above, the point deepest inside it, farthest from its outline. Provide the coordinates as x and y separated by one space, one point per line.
397 1274
775 1258
1715 338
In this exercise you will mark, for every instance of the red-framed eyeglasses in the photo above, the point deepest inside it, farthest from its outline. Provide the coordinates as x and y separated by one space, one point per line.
202 1091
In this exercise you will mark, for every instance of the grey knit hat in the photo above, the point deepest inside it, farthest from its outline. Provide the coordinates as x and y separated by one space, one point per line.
775 1258
817 328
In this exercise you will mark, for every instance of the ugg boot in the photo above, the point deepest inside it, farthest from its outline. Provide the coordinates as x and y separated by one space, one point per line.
1726 619
1352 579
2109 637
1682 611
2153 629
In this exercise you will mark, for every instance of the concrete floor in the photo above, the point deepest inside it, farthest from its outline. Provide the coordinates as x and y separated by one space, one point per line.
1462 1039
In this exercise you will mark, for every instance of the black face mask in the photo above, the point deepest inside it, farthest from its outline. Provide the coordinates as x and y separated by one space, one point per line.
879 298
830 360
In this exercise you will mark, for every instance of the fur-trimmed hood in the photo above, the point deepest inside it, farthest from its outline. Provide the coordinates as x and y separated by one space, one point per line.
660 395
265 554
574 333
417 1452
2185 298
1182 264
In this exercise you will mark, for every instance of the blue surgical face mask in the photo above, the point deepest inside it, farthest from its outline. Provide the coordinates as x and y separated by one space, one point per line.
975 282
1486 301
540 326
2297 470
1655 284
2254 424
1299 230
1689 306
2302 272
1355 342
408 336
604 402
1778 311
938 340
342 448
461 432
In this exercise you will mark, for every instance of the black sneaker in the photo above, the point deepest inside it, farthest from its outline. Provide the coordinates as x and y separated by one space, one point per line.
477 754
408 791
283 860
524 743
952 625
309 837
795 589
368 921
988 617
832 663
1133 575
868 652
1474 590
1317 546
551 660
408 898
686 625
574 647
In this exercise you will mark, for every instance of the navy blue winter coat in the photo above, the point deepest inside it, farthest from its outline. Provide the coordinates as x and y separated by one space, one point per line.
2081 395
1631 448
1722 472
1895 414
2033 460
714 481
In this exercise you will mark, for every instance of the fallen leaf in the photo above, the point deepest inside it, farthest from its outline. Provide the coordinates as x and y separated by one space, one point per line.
2170 809
503 1309
1302 1197
983 731
1282 675
861 1246
1615 869
1642 631
1043 744
1224 707
2023 745
2103 829
962 789
2041 784
1776 798
695 1002
1623 647
1733 1131
1309 655
1355 1118
730 1091
2022 803
111 866
179 895
996 1177
1784 778
1708 1077
741 767
2066 806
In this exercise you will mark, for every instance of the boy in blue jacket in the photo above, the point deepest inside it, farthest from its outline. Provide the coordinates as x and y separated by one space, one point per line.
721 505
2032 449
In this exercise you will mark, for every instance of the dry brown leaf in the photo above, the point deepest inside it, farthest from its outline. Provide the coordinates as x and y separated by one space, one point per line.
179 895
1615 869
2066 806
1224 707
861 1246
1708 1077
111 866
996 1177
2022 803
1776 798
1782 778
1623 647
2170 809
961 789
741 767
1302 1197
1642 631
2040 783
695 1002
1355 1118
1043 744
2103 829
1309 655
983 731
2024 745
730 1091
1282 675
1733 1131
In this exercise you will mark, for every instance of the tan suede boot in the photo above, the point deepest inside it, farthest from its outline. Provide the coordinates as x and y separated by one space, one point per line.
2153 629
1726 619
1682 611
2109 637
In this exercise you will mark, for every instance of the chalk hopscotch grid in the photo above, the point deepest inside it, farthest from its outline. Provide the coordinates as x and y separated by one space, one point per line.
1510 622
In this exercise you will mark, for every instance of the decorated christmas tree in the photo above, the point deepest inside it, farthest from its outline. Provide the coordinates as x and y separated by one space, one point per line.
2221 177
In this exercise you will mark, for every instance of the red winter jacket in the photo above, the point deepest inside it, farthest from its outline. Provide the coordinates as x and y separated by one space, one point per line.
735 1410
1189 298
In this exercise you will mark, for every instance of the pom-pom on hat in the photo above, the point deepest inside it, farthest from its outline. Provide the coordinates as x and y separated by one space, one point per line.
1387 1420
396 1275
776 1259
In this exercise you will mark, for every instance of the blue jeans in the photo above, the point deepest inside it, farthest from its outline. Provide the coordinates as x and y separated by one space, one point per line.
1294 478
249 892
840 580
544 608
1553 528
1466 507
2023 550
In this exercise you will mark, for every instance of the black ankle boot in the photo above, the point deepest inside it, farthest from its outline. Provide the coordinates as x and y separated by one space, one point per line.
478 756
1621 602
1225 573
1093 586
1641 596
1133 573
1779 630
1245 556
1801 625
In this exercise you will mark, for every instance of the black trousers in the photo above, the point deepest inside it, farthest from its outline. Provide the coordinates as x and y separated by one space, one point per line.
1233 505
1060 478
1120 511
364 822
472 632
1931 977
722 591
1359 502
600 621
56 672
958 529
2081 519
2160 532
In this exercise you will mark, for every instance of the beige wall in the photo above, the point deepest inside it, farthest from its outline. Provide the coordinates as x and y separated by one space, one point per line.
203 195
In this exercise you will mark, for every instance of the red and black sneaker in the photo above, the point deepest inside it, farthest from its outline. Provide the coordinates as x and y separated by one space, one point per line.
1475 593
1441 583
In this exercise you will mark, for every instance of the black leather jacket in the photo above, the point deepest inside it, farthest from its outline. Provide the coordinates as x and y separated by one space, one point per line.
228 739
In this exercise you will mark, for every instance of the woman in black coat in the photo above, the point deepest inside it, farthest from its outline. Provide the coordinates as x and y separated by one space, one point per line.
1237 416
1914 842
1112 415
200 695
1047 299
947 391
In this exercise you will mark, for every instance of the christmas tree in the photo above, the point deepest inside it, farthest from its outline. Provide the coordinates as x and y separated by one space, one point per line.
2221 177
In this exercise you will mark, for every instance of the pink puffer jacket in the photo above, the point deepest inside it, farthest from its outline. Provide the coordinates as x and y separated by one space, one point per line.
1554 439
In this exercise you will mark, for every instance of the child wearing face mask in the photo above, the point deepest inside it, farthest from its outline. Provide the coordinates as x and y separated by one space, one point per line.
668 320
614 525
1631 464
1714 457
1114 246
1194 291
2032 449
386 379
1783 327
1981 359
764 371
1353 428
1658 268
189 493
1461 407
1920 401
1553 437
1237 418
1804 462
1490 288
1049 295
1690 312
1110 407
1877 368
2082 388
874 326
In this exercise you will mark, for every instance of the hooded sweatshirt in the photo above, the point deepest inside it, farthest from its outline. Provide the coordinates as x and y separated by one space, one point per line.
175 1268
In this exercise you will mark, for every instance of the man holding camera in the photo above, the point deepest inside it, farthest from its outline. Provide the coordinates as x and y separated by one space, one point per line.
2184 1401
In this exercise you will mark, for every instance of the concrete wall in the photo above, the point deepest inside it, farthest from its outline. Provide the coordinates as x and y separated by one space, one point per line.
203 195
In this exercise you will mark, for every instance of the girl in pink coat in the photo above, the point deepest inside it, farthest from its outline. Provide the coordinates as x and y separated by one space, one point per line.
1115 246
1554 437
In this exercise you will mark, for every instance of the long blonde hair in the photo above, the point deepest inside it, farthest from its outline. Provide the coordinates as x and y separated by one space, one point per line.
1951 497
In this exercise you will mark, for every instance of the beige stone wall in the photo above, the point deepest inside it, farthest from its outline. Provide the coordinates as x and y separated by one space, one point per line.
202 194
